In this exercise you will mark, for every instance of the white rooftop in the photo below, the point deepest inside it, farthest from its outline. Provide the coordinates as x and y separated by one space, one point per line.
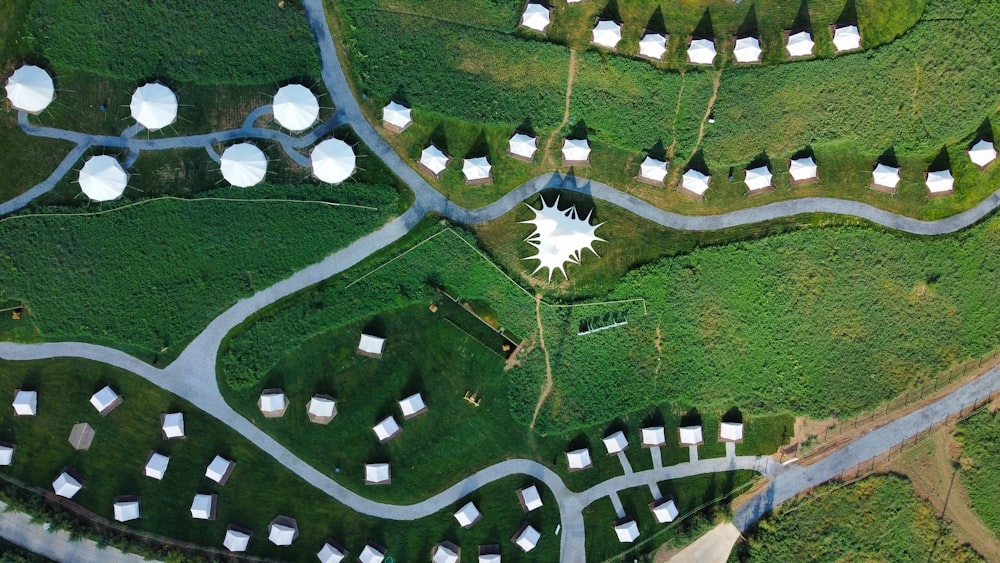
201 507
283 532
695 182
468 515
25 403
560 237
217 469
758 178
30 89
802 169
607 34
371 555
173 425
653 436
846 38
575 150
397 115
530 498
371 344
126 510
236 540
243 165
333 161
653 46
982 153
443 554
154 106
6 454
535 17
523 145
66 486
433 159
330 554
615 443
476 168
295 107
412 405
731 431
886 176
103 398
690 435
940 182
156 466
665 511
747 50
102 178
527 539
386 428
627 531
377 473
272 401
489 558
701 52
322 406
578 459
799 44
653 169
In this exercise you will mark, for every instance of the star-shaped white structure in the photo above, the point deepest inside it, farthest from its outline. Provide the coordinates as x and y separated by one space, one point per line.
560 236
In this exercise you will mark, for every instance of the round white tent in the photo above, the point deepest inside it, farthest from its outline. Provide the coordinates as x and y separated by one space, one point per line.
535 17
885 176
30 89
653 46
803 169
747 50
652 170
243 165
102 178
575 150
333 161
154 106
396 117
846 38
757 179
295 107
477 170
940 182
800 44
701 52
607 34
695 182
434 160
982 153
522 146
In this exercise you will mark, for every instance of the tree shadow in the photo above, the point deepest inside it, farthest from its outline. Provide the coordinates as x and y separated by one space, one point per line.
579 442
658 151
654 418
984 132
889 158
849 15
942 161
704 29
479 147
414 384
439 138
697 162
761 159
526 127
806 152
610 12
733 415
400 97
379 453
749 26
802 20
691 418
617 425
657 23
579 130
375 327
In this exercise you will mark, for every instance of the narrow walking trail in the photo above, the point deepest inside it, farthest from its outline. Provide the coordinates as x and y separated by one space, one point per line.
547 387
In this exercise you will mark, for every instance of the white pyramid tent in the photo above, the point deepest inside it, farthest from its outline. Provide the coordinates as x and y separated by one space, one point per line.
371 554
800 44
243 165
982 153
173 425
413 406
757 179
747 50
443 553
627 531
105 399
846 38
477 170
156 466
30 89
731 431
396 116
154 106
535 17
282 531
653 46
126 510
6 454
664 510
434 160
236 540
377 473
25 403
102 178
522 146
575 150
701 52
885 176
386 429
653 436
653 170
66 486
333 161
803 169
695 182
527 537
578 459
468 515
295 107
203 507
615 443
607 34
530 498
690 435
330 554
940 182
489 558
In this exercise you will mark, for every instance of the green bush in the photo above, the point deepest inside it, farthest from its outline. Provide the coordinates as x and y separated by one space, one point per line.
979 436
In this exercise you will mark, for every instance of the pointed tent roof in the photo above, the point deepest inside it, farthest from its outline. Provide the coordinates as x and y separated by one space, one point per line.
476 169
203 507
731 431
66 485
579 459
701 52
940 182
243 165
607 34
126 510
433 159
690 435
322 407
371 344
653 46
747 50
333 161
386 428
376 473
886 176
802 169
295 107
25 403
846 38
371 554
468 515
529 497
982 153
412 405
653 169
219 469
489 558
236 540
30 89
560 236
331 554
527 538
615 443
156 465
535 17
575 150
102 178
627 531
6 453
104 398
272 401
173 425
696 182
799 44
523 145
444 554
154 106
654 436
282 531
82 436
757 178
664 510
397 116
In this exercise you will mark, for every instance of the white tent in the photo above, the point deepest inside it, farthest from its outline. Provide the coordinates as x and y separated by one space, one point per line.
468 515
803 169
885 176
747 50
282 531
701 52
627 531
376 473
536 17
940 182
695 182
321 408
105 400
243 165
652 170
371 554
203 507
576 151
6 454
477 170
333 161
126 510
615 443
560 236
757 179
653 46
371 345
444 554
982 153
527 538
236 540
396 117
386 429
295 107
331 554
489 558
30 89
731 431
156 466
529 497
799 44
102 178
690 435
578 459
219 470
607 34
412 406
522 146
434 160
653 436
154 106
664 510
66 486
173 425
846 38
272 402
25 403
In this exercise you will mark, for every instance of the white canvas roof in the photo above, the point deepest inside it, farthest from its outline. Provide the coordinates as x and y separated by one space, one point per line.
607 34
412 405
489 558
236 540
397 115
444 554
653 46
665 511
272 401
201 507
690 435
731 431
627 531
377 472
747 50
560 236
295 107
695 182
887 176
243 165
578 459
476 168
653 436
615 442
846 38
982 153
156 466
522 145
468 515
386 428
333 161
758 178
527 539
25 403
173 425
434 160
371 344
282 531
799 44
802 169
371 555
535 17
126 510
217 469
330 554
940 182
575 150
6 454
66 486
701 52
652 169
530 497
322 406
103 398
30 89
154 106
102 178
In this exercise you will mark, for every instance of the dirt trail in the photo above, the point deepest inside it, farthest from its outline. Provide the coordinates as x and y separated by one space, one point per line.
546 159
716 82
547 388
677 115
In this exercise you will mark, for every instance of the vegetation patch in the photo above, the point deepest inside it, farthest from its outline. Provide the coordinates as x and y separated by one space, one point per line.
980 461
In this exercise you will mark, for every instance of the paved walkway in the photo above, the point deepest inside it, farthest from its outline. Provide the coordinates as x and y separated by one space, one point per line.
713 547
18 529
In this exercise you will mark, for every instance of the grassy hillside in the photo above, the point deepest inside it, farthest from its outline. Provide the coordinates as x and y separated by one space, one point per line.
980 462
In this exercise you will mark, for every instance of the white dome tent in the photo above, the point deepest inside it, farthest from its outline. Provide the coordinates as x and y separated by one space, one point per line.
885 178
102 178
653 46
477 170
606 34
154 106
295 107
433 160
575 152
799 45
939 183
757 179
803 170
846 38
522 147
396 117
701 52
333 161
559 237
652 171
695 183
30 89
982 153
536 17
747 50
243 165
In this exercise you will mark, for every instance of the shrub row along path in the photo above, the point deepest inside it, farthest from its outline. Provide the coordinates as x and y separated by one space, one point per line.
192 375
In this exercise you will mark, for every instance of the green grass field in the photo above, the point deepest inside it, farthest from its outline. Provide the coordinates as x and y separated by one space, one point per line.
979 466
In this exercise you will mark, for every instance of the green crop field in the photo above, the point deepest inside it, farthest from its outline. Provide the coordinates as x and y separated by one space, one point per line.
980 462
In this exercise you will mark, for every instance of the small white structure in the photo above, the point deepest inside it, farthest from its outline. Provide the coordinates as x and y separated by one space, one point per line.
371 346
575 152
747 50
803 170
386 429
282 531
799 45
156 466
243 165
690 435
885 178
730 432
982 153
652 171
522 147
846 38
25 403
536 17
412 406
579 459
664 510
444 553
653 46
126 509
695 183
526 537
105 400
372 554
236 540
606 34
172 425
30 89
433 160
477 170
529 497
219 470
653 436
321 409
102 178
6 453
396 117
615 443
203 507
66 485
154 106
333 161
488 557
295 107
701 52
468 515
377 474
81 436
331 554
272 403
560 236
939 183
757 179
627 530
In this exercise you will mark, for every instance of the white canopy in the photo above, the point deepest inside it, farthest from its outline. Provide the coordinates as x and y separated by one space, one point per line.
218 468
615 443
747 50
653 170
982 153
376 473
653 436
846 38
386 428
575 150
527 539
535 17
371 344
476 169
886 176
607 34
523 146
322 406
653 46
799 44
154 106
530 498
665 510
243 165
397 116
282 531
272 401
560 236
330 554
102 178
126 510
103 398
202 507
66 486
236 540
579 459
295 107
6 454
434 160
333 161
489 558
443 554
370 554
627 531
757 178
468 515
25 403
30 89
173 425
940 182
156 466
412 405
802 169
701 52
690 435
695 182
730 431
